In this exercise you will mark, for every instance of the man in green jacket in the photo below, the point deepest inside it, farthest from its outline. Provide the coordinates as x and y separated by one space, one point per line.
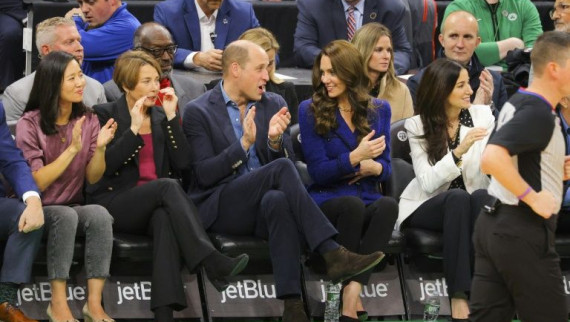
503 25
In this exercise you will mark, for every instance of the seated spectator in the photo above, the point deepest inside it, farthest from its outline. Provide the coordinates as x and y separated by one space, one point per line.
563 112
322 21
141 185
52 34
155 40
20 225
459 37
12 15
244 182
560 14
203 28
265 39
504 25
345 140
64 147
106 28
446 141
374 42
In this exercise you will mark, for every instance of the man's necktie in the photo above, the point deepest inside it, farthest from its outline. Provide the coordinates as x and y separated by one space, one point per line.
351 22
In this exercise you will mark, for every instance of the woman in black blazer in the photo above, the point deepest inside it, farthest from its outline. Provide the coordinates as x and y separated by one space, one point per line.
141 186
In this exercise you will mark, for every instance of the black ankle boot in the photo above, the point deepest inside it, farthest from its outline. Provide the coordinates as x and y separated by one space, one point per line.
343 264
219 266
294 311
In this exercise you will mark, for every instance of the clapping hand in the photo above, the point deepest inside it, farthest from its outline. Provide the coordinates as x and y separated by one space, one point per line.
368 168
249 129
76 142
106 133
278 123
474 135
370 149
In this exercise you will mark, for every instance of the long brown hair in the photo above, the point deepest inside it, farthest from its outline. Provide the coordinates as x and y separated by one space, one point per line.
437 83
348 65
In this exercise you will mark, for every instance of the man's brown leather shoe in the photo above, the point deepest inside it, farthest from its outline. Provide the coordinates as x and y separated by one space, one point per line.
10 313
343 264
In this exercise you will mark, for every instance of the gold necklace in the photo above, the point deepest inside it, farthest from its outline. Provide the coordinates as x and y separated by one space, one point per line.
345 109
62 138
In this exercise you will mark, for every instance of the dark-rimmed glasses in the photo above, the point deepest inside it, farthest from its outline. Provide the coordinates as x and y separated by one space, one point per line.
158 52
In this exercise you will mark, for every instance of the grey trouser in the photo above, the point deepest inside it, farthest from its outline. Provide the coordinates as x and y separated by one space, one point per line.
61 225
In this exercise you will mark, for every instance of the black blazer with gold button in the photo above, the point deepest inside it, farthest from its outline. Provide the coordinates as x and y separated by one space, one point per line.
171 150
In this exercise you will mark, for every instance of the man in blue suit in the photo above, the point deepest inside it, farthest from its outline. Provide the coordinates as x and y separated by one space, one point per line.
244 182
20 224
202 32
322 21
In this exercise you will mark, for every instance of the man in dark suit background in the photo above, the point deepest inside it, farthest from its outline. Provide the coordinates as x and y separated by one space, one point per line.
155 39
202 32
20 224
244 182
322 21
12 14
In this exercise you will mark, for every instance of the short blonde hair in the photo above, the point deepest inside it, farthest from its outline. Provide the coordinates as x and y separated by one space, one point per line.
266 40
45 30
128 66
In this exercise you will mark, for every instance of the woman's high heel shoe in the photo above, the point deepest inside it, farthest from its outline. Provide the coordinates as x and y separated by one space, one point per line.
89 318
51 319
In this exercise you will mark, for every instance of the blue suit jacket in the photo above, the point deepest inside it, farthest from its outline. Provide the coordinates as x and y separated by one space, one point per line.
328 160
13 166
181 18
217 153
322 21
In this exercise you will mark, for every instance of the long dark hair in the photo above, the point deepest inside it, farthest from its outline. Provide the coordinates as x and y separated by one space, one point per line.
348 65
436 85
47 88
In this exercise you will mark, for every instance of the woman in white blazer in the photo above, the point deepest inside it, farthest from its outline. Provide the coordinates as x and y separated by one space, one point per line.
446 141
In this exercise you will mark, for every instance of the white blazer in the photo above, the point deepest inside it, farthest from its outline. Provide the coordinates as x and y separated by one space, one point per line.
430 179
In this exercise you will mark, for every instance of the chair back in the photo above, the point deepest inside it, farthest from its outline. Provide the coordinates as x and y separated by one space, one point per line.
399 145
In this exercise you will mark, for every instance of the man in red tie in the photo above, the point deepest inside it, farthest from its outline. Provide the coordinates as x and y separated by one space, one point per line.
156 40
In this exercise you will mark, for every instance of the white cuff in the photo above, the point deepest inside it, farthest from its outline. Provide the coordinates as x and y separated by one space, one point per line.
28 194
189 61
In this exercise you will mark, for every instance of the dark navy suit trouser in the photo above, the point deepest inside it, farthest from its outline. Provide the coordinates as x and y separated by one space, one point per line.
21 248
11 53
271 202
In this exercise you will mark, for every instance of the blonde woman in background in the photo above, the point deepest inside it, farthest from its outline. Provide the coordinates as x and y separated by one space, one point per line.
265 39
374 42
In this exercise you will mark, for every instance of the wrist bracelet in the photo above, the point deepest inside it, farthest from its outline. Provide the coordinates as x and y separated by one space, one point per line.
275 142
525 193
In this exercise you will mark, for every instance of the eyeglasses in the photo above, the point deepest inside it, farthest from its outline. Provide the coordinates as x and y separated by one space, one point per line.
561 7
158 52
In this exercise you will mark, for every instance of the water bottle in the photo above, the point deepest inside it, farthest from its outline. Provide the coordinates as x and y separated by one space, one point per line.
431 309
333 301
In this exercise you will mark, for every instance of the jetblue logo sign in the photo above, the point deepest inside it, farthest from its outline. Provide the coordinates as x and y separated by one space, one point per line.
382 296
247 296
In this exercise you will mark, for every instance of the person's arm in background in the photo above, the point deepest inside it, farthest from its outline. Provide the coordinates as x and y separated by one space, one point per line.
306 45
531 25
402 47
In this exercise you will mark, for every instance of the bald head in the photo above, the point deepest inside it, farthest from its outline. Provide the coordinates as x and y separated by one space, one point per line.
149 30
156 40
240 52
460 36
460 18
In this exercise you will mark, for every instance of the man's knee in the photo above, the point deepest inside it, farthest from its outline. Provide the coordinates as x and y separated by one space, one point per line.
274 199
